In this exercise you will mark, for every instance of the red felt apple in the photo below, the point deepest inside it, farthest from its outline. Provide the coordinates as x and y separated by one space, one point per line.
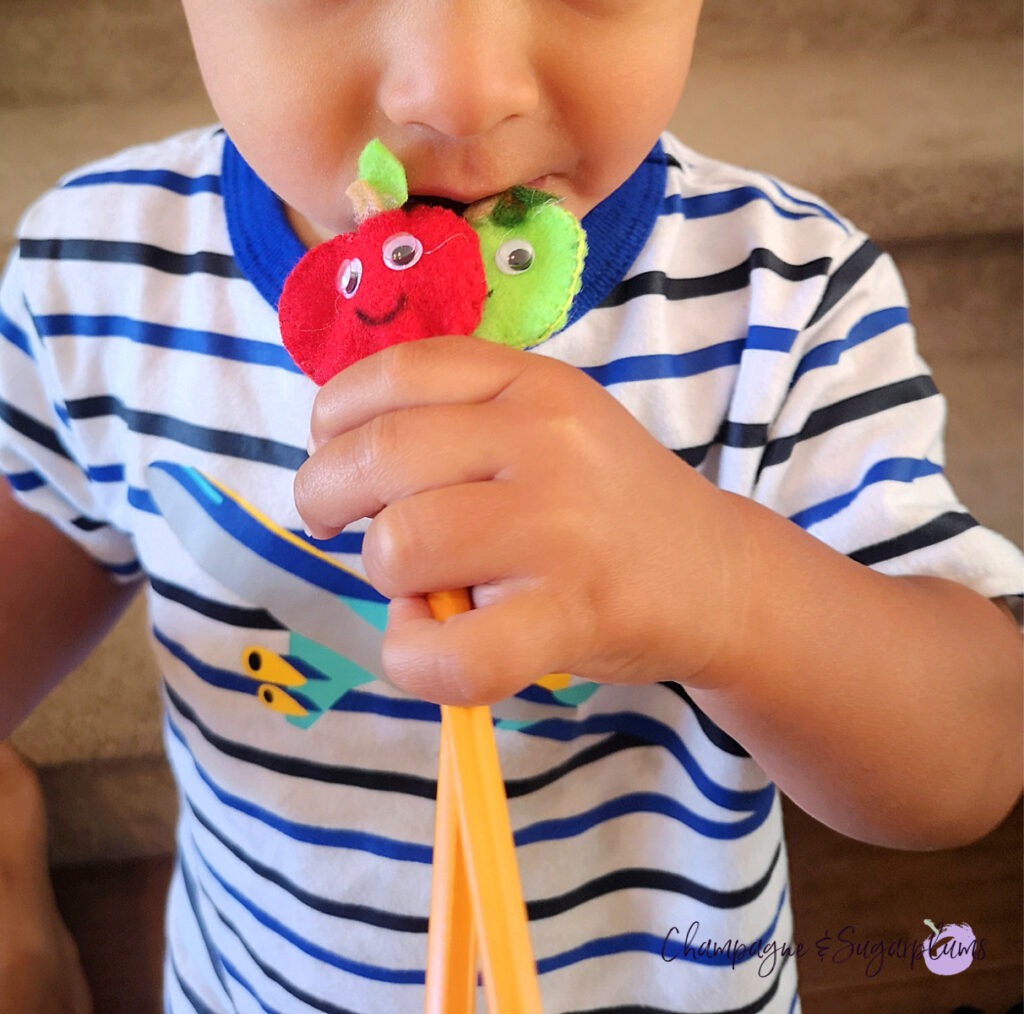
403 275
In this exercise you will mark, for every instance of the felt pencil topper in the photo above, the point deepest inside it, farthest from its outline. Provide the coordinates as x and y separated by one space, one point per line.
533 251
407 272
404 274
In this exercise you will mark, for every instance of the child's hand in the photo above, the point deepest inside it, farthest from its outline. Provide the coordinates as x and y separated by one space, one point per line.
588 546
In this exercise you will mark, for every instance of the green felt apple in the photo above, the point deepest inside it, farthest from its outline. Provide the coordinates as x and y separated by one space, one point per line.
533 251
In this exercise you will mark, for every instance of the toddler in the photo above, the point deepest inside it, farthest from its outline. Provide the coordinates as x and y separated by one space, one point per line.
715 498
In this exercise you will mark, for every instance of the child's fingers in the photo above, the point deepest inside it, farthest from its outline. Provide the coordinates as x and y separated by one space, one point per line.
433 371
479 657
397 455
455 537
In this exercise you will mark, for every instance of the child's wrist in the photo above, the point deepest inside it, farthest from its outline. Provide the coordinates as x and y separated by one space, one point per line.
724 644
700 578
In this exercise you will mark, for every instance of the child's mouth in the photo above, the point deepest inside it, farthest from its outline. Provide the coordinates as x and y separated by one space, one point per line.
435 201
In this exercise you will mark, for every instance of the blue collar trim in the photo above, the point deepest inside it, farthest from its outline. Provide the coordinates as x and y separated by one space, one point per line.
266 247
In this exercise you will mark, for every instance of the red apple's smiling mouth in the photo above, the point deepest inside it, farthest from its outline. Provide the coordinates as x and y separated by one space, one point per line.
387 318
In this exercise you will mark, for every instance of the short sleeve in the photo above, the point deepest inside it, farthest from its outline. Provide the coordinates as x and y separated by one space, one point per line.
855 451
41 455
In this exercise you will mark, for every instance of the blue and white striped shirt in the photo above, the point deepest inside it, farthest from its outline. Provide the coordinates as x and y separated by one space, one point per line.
148 407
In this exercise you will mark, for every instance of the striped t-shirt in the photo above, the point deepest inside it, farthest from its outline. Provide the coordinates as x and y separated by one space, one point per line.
147 406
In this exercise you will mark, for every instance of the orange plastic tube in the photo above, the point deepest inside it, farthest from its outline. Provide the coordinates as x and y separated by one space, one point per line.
451 940
475 859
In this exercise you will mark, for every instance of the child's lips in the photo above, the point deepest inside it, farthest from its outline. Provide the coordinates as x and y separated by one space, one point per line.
459 200
437 201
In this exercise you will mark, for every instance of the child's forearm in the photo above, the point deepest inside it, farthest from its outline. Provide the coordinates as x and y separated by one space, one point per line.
55 605
888 708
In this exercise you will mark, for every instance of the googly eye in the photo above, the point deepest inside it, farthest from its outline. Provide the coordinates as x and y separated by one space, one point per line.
514 256
402 251
349 275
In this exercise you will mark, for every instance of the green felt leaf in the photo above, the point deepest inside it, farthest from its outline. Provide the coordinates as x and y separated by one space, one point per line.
515 204
382 171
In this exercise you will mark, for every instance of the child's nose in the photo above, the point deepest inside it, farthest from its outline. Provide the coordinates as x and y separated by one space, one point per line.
459 69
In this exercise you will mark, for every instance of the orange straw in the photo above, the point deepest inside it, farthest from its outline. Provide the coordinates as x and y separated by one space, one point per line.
476 895
451 940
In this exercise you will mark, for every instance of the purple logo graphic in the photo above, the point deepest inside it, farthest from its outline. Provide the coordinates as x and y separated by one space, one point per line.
950 949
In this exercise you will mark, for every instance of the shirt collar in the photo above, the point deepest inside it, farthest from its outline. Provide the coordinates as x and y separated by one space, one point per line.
266 247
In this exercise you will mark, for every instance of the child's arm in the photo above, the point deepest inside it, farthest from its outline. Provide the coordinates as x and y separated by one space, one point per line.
55 605
888 707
